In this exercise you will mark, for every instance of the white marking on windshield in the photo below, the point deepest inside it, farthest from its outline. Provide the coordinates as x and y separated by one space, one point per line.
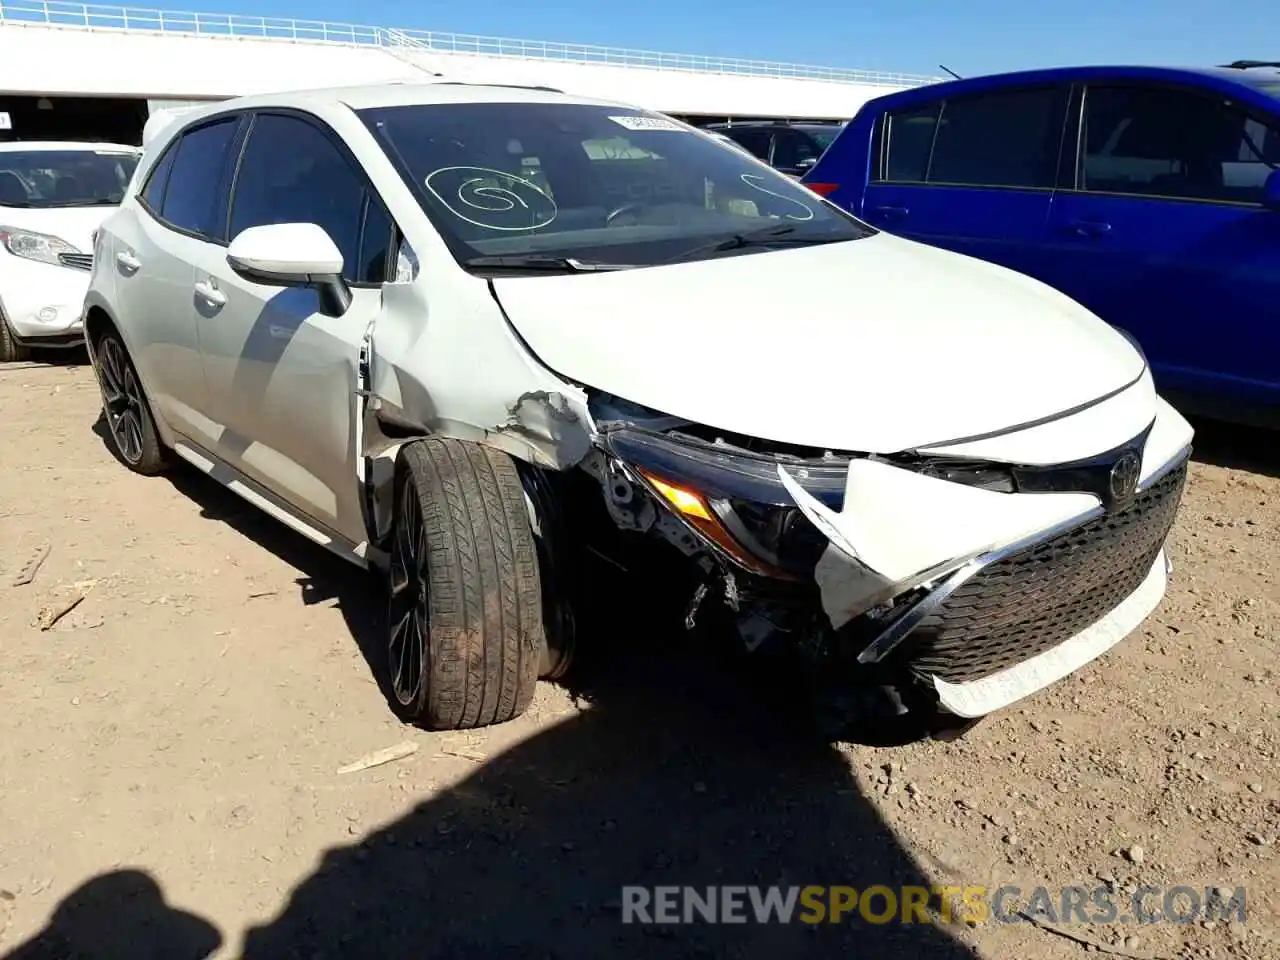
747 178
509 198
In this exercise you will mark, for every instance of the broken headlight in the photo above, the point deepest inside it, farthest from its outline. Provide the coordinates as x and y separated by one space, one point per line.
733 498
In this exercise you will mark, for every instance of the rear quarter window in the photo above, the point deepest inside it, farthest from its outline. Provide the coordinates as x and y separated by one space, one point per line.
908 143
153 193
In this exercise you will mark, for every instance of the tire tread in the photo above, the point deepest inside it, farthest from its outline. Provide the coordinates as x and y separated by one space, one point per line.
484 592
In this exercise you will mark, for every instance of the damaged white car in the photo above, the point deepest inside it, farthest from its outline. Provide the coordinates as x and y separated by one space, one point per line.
479 337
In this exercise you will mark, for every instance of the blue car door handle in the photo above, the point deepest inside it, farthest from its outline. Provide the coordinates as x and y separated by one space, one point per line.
890 213
1089 228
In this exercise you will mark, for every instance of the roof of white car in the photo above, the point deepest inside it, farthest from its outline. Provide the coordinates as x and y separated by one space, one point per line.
14 146
405 94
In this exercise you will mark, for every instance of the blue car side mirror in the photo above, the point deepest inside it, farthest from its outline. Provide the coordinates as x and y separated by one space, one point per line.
1271 191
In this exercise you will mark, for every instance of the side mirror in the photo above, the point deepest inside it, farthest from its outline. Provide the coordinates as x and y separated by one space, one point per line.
293 255
1271 191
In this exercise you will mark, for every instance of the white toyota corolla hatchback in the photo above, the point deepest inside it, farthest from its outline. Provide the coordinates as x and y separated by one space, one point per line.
53 195
488 338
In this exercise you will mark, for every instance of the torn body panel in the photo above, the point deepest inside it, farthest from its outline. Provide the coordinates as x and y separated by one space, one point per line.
451 366
899 528
897 524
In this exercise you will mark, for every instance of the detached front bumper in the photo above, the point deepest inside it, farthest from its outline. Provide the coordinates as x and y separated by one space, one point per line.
1016 620
44 304
982 593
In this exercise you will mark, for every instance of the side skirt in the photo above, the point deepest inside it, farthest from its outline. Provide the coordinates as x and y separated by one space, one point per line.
360 554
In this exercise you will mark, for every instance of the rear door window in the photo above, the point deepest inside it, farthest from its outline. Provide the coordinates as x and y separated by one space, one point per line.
1003 139
197 187
1006 138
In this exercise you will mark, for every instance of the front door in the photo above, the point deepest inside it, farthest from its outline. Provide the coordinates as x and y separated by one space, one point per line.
284 375
1167 235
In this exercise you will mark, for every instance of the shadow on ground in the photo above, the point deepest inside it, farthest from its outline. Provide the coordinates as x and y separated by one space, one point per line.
674 773
1237 446
119 914
670 776
51 357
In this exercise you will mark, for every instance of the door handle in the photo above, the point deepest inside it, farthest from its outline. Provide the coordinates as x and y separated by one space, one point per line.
1089 228
128 261
207 291
891 213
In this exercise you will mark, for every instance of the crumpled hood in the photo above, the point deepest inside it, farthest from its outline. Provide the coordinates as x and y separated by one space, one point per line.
72 224
875 345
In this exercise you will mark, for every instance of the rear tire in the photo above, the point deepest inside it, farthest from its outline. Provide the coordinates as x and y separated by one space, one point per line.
134 439
464 628
11 350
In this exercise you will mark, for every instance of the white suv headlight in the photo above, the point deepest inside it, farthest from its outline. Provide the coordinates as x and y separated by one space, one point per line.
34 246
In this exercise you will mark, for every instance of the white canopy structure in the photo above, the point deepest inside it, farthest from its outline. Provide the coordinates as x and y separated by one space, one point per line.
77 50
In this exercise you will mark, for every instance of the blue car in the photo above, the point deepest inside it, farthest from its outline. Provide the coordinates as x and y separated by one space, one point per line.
1149 195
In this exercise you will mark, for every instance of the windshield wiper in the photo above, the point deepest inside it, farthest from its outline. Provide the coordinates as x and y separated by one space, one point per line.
755 238
91 202
542 264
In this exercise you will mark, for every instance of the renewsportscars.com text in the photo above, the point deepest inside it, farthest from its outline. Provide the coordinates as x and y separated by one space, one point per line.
969 904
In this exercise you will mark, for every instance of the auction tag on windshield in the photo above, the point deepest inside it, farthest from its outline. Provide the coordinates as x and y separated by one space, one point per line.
647 123
5 122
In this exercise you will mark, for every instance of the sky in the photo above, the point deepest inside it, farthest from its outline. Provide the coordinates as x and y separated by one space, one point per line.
969 36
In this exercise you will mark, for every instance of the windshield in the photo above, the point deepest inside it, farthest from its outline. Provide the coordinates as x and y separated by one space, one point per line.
593 183
64 178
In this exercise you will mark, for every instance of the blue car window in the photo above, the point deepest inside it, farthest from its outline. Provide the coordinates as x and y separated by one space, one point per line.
1175 143
908 143
1008 138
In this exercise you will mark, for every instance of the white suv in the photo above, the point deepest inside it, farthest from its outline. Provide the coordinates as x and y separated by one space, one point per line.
482 337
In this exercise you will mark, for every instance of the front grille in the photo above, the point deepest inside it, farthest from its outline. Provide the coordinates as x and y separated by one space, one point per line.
1033 600
77 261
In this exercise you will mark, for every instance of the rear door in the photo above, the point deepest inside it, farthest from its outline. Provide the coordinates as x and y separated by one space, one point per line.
974 173
152 252
1166 235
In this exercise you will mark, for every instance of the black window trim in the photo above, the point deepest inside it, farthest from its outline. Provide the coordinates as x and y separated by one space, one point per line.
370 189
1060 88
1179 86
175 144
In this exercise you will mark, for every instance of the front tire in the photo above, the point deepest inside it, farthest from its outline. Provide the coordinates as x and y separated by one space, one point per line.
11 350
464 626
134 439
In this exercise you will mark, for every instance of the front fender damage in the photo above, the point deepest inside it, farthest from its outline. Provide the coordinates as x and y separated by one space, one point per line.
423 380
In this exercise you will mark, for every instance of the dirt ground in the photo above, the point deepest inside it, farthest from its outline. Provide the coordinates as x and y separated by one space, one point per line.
170 752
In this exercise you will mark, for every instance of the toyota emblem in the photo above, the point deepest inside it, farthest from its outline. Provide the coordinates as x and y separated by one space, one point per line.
1124 477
